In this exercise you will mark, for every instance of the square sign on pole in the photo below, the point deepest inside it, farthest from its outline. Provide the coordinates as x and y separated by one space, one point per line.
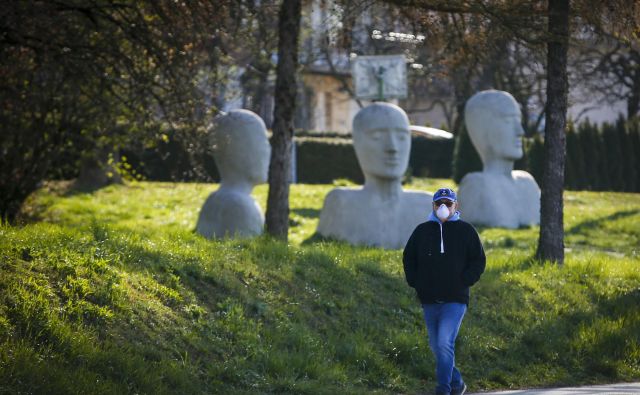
380 77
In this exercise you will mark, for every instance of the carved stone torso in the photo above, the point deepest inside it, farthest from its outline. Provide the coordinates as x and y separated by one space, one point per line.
354 216
230 213
498 200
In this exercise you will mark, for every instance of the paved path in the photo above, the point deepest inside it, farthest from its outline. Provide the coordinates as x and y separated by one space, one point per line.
610 389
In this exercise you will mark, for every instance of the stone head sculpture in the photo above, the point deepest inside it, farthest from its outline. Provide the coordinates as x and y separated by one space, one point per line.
241 151
241 147
381 213
494 123
382 141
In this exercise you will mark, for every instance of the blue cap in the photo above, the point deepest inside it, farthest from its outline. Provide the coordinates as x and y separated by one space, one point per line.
445 193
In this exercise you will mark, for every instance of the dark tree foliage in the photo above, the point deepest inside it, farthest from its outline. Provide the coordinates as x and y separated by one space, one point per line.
574 171
591 142
90 76
535 159
465 156
613 159
633 150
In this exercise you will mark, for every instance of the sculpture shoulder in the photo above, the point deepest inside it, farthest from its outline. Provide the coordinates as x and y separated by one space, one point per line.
525 179
522 175
341 197
229 213
232 201
338 212
475 179
417 196
474 184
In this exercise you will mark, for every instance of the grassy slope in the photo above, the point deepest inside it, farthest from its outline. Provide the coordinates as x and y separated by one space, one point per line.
113 292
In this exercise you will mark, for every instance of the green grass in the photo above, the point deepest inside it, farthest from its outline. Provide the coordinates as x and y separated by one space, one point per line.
113 292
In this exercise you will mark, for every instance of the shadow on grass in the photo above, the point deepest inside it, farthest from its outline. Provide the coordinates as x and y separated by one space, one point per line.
307 212
317 238
593 223
307 302
555 346
303 314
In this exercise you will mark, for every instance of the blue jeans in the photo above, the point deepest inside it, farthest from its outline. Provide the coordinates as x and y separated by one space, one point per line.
443 323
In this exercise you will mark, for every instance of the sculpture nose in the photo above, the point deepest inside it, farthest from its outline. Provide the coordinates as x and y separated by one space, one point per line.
391 145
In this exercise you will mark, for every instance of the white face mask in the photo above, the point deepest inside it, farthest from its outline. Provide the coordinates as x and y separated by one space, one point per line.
443 212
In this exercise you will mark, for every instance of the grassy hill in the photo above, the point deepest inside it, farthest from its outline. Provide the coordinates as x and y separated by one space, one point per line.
112 292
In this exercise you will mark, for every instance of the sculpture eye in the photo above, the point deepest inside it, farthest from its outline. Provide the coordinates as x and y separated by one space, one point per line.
402 134
375 134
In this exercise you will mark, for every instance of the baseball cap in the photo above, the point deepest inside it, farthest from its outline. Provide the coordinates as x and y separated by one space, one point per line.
445 193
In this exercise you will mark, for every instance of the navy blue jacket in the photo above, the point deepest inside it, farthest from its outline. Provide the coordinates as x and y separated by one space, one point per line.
440 277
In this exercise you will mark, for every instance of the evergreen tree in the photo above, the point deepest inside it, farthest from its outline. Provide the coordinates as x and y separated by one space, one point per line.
574 160
633 131
602 173
613 157
629 168
465 156
535 158
590 152
522 163
581 161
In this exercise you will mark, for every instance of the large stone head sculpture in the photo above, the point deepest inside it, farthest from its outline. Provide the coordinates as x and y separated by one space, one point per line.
382 140
494 123
241 147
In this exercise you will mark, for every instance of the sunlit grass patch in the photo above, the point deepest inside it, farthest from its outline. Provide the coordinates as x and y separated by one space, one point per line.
114 291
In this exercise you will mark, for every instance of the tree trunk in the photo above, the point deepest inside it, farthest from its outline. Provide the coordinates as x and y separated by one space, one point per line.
277 216
551 241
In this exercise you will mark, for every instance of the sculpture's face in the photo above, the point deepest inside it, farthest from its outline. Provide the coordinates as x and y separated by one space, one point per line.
383 146
505 133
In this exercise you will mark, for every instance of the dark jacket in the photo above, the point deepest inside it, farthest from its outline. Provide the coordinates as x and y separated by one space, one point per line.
443 276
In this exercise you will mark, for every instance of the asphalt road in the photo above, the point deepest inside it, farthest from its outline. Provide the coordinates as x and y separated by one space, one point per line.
610 389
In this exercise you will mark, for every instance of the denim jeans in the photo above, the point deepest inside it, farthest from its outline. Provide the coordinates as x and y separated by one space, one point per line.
443 322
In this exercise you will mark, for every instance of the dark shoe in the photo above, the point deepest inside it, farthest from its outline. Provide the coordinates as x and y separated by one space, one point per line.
459 391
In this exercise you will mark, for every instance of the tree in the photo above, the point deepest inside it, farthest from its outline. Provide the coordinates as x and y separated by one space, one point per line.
591 145
256 57
465 156
88 76
277 215
551 240
477 49
573 169
608 65
535 159
629 155
633 131
613 135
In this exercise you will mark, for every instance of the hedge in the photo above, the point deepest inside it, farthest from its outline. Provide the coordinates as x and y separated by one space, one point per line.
599 158
322 160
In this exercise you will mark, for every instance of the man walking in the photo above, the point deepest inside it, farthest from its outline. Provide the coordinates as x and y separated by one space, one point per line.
442 259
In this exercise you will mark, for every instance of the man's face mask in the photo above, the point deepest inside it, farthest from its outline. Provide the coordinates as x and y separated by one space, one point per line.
443 212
